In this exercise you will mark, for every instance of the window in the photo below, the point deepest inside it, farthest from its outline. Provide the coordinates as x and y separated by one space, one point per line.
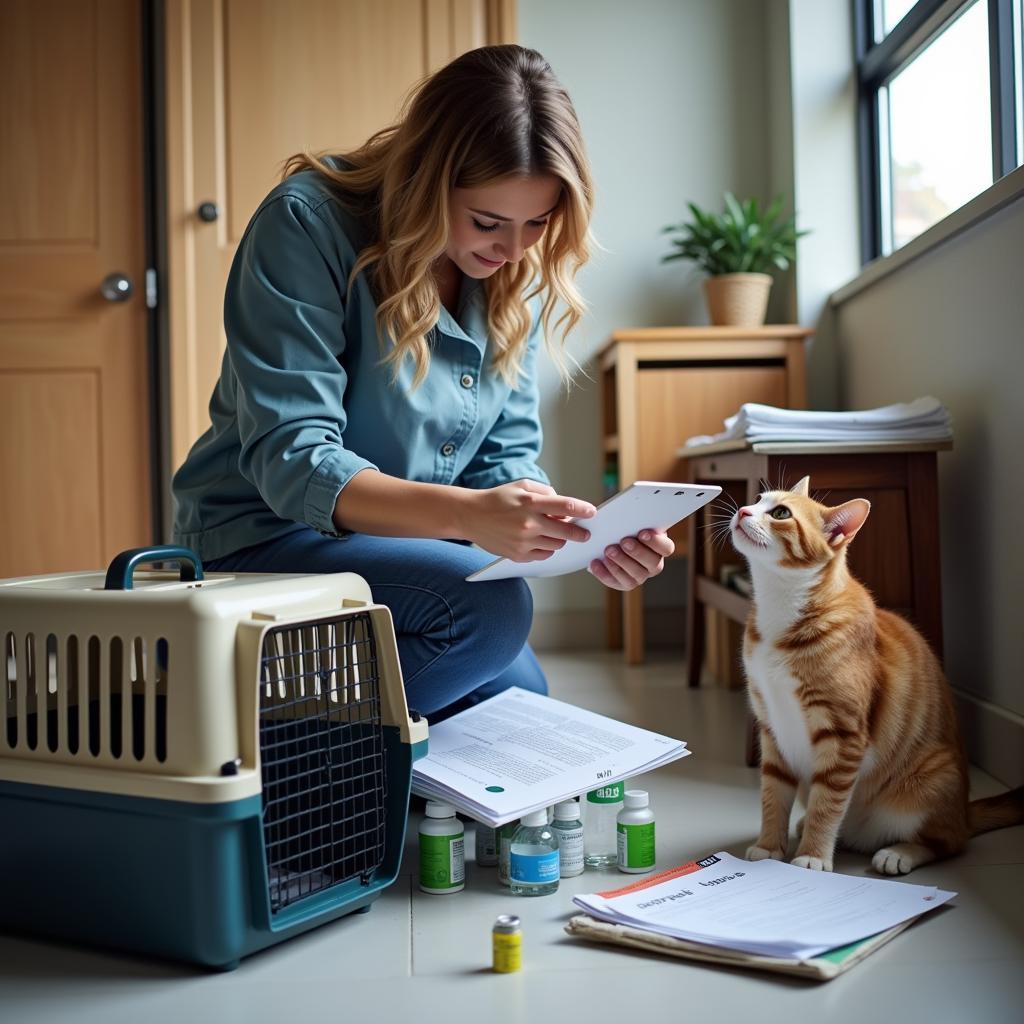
940 110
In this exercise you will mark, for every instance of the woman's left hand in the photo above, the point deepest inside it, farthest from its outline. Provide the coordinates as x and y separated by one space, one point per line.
634 560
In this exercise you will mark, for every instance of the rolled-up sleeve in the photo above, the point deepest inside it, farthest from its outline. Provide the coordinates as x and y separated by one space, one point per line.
512 446
284 319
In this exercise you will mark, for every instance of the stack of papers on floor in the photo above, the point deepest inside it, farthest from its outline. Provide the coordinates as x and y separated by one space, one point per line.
924 419
757 913
518 752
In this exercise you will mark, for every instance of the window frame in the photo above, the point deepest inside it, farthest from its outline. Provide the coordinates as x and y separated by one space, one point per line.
878 63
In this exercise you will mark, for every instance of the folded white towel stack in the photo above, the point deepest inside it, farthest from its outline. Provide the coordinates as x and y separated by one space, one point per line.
924 419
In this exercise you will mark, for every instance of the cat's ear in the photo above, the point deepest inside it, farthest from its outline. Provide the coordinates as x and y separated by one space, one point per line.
843 521
804 487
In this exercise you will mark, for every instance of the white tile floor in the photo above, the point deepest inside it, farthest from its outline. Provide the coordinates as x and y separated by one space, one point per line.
427 957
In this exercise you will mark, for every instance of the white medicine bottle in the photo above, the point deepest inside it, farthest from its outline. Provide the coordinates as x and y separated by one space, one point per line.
635 833
567 826
442 850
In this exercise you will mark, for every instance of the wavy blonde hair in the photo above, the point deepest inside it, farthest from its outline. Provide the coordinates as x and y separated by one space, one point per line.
494 112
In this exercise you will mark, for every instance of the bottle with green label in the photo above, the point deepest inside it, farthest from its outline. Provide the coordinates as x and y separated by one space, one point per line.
599 809
442 850
635 834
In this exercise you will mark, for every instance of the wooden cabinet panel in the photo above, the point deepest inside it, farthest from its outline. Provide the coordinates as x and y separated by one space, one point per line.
49 110
663 385
681 402
74 414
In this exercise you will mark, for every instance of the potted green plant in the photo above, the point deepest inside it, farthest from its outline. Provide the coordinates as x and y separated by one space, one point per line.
736 248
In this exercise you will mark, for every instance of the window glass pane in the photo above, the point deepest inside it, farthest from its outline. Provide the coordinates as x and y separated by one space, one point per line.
1018 74
940 132
888 14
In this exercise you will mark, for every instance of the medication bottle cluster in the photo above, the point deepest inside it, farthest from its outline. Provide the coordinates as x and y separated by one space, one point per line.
609 825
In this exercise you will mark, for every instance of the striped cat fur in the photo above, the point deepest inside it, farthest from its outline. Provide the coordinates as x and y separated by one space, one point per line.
855 715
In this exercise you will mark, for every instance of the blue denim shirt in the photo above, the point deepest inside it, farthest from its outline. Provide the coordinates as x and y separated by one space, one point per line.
304 403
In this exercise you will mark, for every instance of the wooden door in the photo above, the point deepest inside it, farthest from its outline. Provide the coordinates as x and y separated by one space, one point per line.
74 414
249 82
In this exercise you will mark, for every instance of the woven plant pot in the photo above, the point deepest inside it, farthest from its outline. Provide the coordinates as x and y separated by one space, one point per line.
737 300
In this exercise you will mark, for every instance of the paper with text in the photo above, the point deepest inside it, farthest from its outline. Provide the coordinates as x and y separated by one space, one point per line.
763 906
520 751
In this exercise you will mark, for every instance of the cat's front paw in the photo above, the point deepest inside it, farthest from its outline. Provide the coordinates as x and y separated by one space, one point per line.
813 863
900 858
760 853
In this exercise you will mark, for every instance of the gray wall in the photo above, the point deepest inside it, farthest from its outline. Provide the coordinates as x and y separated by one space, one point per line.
673 99
950 324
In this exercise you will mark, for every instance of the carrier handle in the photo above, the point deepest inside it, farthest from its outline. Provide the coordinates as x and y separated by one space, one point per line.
119 574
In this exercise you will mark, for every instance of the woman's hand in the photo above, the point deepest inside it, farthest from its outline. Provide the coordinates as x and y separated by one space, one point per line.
524 520
634 560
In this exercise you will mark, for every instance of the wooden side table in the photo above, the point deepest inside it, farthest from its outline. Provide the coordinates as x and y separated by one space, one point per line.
661 385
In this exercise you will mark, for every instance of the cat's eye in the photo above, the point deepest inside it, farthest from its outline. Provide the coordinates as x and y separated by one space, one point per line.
780 512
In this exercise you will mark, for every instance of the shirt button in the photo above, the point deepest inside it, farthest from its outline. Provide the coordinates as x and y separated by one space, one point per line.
467 380
448 450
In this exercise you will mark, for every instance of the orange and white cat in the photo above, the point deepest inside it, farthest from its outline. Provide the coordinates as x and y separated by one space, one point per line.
855 714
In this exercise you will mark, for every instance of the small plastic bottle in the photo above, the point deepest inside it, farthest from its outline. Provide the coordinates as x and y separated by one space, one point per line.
566 825
635 825
442 850
599 810
534 857
486 846
507 944
504 838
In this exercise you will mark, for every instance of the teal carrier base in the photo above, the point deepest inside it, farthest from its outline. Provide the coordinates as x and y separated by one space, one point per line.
227 764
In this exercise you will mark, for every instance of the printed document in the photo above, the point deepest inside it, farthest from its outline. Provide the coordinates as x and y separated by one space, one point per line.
766 906
519 751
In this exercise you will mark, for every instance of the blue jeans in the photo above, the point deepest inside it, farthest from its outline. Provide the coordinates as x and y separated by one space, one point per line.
458 642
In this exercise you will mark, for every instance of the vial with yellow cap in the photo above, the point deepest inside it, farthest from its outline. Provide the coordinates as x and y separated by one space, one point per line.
507 944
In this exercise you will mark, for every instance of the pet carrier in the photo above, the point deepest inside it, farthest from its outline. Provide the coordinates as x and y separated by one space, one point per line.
198 767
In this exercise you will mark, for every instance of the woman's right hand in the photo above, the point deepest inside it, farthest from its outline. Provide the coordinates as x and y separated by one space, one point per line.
525 521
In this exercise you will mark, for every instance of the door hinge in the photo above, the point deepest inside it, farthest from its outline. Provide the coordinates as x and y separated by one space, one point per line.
151 291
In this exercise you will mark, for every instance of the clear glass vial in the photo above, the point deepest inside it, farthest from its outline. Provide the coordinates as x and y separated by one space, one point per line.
486 846
504 837
599 810
567 826
533 857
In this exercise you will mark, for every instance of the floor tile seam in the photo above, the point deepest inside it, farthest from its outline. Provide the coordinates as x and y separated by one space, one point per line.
412 928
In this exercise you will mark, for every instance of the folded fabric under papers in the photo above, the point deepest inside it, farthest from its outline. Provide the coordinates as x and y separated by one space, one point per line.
924 419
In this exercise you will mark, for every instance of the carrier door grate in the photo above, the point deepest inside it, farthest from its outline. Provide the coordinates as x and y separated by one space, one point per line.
322 755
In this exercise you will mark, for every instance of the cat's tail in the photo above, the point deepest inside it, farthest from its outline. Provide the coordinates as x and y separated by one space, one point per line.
996 812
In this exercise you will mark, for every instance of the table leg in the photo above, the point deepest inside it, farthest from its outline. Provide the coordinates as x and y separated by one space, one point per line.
694 607
613 618
634 626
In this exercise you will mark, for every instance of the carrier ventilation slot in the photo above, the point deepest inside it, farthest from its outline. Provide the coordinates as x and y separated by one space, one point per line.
82 698
322 756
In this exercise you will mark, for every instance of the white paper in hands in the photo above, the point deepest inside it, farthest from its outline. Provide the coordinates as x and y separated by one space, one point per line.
646 505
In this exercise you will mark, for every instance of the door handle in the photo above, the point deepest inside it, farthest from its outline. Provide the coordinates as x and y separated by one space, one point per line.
117 287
